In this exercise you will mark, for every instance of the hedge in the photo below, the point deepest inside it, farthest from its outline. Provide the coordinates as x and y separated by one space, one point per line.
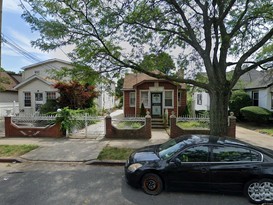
256 114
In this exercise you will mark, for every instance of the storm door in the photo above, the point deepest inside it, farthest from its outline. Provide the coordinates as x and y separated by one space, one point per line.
156 102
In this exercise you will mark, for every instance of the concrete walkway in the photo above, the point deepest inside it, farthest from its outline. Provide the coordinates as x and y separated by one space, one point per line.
88 149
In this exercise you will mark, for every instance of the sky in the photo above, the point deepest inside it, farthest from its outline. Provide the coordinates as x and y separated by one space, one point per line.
19 33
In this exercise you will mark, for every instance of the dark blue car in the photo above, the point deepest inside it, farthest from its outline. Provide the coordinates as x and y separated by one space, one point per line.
203 163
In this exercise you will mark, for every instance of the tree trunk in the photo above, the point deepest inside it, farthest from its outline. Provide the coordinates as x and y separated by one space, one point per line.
219 112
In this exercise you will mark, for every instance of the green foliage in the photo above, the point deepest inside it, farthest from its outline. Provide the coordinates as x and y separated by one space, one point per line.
142 110
238 100
162 62
256 114
49 107
119 92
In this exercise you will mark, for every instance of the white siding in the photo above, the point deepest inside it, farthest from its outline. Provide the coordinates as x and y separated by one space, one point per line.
35 86
204 105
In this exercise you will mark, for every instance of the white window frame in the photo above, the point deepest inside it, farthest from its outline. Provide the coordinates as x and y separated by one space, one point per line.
51 93
179 98
172 106
132 95
27 99
148 95
199 100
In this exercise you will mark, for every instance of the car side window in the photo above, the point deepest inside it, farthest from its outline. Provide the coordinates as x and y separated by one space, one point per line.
234 154
194 154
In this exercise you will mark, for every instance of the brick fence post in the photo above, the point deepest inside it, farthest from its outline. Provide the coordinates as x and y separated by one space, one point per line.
7 126
231 125
173 132
148 125
108 127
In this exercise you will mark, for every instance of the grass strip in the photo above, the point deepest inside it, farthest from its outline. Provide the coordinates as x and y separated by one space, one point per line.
15 150
115 153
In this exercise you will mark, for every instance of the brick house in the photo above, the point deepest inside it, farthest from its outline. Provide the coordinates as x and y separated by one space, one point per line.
157 95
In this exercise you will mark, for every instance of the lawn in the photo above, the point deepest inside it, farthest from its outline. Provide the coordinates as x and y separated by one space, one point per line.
193 124
115 153
15 150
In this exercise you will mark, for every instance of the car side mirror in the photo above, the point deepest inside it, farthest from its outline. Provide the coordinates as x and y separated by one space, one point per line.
176 161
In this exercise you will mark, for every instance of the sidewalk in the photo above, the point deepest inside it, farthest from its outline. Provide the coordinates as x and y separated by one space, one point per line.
86 150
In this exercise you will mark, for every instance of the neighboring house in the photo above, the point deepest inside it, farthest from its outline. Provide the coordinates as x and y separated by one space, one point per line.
157 95
106 98
37 85
258 84
9 96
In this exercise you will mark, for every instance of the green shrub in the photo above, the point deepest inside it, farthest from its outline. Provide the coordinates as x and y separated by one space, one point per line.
238 100
49 107
256 114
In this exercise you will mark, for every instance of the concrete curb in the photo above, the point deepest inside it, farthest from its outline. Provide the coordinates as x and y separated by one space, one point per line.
106 162
10 160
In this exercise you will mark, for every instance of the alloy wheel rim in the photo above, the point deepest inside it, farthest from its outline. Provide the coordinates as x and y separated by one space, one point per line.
266 189
254 192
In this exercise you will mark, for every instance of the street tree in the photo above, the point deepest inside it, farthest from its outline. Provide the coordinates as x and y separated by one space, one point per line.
212 35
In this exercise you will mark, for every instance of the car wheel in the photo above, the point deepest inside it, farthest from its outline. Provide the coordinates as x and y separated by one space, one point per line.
259 191
152 184
266 187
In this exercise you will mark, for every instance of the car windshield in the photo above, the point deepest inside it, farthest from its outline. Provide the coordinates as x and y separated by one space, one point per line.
169 148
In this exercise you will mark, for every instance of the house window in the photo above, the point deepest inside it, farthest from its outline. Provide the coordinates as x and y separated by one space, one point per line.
144 98
37 72
51 95
199 99
169 98
27 99
179 98
132 99
255 98
38 96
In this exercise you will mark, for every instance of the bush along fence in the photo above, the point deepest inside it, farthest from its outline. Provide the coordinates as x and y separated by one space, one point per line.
176 131
143 132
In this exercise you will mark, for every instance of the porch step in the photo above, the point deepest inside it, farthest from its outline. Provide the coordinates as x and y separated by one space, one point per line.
158 123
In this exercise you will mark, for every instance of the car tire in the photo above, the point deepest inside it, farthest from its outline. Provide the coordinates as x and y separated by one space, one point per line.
152 184
259 191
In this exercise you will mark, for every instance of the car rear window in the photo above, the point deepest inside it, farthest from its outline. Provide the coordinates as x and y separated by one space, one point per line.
234 154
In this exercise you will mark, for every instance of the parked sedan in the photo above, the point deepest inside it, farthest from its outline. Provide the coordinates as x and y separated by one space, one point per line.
203 163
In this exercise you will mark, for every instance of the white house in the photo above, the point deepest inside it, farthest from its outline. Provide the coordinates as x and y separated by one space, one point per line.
9 96
37 85
258 84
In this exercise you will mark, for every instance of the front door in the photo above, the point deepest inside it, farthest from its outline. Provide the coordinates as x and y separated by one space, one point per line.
156 104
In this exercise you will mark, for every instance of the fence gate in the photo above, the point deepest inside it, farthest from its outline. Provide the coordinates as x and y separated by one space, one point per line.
87 126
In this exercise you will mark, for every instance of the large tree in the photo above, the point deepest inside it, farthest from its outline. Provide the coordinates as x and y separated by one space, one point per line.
213 35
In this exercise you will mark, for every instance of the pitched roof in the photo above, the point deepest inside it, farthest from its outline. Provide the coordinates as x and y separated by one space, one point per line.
133 79
45 62
12 81
33 77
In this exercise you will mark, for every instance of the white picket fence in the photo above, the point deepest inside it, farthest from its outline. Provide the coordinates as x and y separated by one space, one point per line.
8 108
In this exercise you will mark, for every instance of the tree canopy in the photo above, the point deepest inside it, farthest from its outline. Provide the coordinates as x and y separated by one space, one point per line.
212 35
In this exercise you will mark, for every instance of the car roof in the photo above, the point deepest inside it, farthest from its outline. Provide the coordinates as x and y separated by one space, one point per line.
210 139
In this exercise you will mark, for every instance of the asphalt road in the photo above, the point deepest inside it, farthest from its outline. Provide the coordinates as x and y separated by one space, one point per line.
68 184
